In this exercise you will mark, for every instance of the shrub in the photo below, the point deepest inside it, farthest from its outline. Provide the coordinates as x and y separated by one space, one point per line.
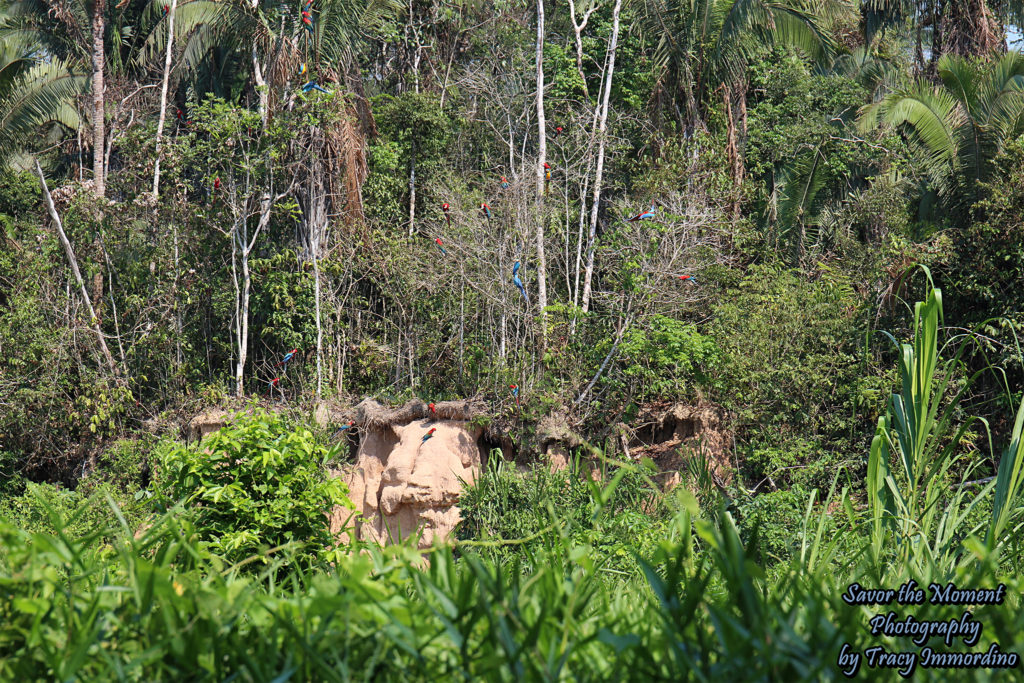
253 487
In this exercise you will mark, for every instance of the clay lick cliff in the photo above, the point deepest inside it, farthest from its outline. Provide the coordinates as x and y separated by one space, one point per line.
406 478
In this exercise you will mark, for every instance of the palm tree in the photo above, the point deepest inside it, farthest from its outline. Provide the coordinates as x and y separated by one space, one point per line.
262 42
960 124
704 44
35 95
72 31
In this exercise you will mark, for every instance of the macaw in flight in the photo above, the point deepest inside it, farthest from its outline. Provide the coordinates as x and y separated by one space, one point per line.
486 209
504 183
558 131
645 216
287 357
312 85
515 392
433 411
440 245
517 281
429 434
273 383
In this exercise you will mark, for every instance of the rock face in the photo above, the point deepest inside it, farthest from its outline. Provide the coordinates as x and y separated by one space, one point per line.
402 485
669 434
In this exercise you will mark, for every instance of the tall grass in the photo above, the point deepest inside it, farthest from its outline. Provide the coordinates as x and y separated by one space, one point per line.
695 605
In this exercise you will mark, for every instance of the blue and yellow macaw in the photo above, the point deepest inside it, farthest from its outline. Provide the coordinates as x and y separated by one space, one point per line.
517 281
303 69
645 216
312 85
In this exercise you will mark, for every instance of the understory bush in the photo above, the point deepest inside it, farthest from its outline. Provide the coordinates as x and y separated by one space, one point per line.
254 487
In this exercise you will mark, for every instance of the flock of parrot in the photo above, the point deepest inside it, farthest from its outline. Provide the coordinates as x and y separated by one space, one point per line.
311 84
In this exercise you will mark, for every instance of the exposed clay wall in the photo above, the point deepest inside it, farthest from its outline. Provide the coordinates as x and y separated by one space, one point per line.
669 433
402 485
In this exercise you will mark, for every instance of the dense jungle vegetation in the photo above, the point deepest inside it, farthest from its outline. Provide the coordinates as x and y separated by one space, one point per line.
430 199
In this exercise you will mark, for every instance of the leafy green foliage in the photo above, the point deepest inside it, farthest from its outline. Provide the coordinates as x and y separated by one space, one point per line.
668 359
255 485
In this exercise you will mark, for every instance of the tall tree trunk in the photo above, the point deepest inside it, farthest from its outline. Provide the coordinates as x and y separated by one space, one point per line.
542 286
412 188
163 96
98 91
732 151
577 29
588 275
243 325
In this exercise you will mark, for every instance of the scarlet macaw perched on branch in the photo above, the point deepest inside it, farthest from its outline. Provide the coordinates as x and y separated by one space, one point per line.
517 281
486 209
515 392
216 183
646 215
287 357
447 216
273 383
440 245
504 183
558 131
167 10
429 434
433 411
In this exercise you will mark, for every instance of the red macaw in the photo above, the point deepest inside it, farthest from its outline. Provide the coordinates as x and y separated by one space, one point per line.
432 410
486 209
287 357
182 119
558 131
504 183
440 245
646 215
547 171
167 10
216 183
447 216
350 425
515 392
273 383
429 434
686 277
